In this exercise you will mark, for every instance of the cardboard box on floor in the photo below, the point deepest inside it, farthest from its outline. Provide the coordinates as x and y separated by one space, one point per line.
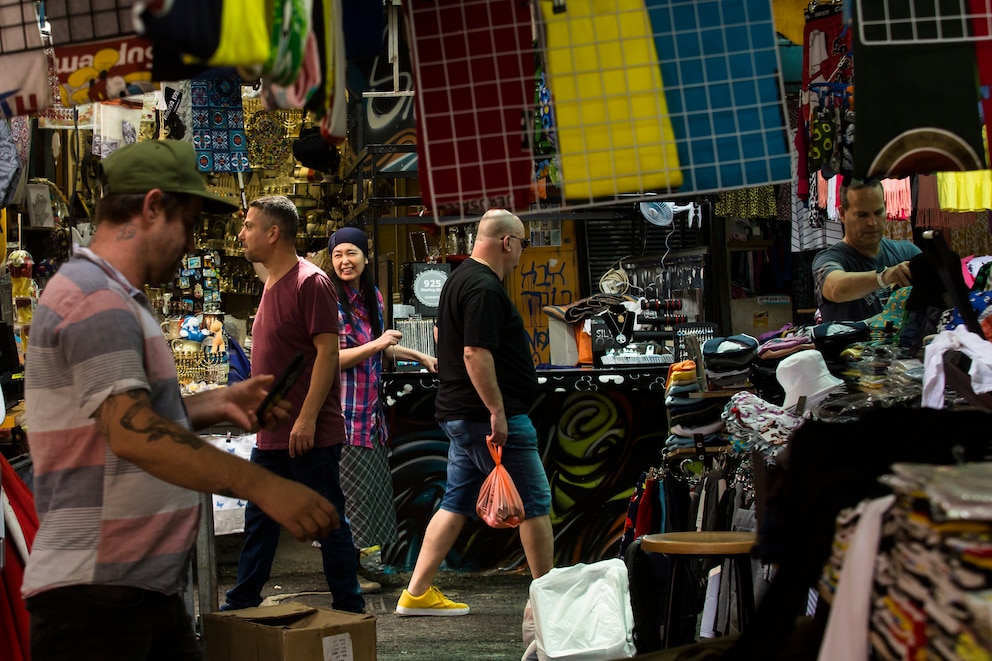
288 632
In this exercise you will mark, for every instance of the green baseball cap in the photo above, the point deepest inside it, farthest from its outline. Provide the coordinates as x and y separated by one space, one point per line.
169 165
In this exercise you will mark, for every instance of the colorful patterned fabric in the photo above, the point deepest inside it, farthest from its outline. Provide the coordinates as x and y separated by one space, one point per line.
973 239
887 325
20 129
290 27
269 145
219 125
10 165
980 302
758 202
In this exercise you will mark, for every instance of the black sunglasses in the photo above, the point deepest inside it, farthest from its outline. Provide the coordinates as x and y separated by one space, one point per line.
524 243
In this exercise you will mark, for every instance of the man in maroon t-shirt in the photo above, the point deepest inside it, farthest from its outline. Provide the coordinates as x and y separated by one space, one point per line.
297 313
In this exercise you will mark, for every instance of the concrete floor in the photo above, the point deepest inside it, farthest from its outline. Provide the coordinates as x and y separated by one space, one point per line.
491 631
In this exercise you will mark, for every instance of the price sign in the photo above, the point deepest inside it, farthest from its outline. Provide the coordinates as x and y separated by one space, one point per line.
427 286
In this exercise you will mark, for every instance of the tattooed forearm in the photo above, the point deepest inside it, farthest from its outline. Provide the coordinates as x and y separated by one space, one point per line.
154 428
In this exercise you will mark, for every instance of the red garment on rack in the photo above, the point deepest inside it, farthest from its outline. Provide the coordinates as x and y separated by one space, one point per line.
646 509
14 622
983 55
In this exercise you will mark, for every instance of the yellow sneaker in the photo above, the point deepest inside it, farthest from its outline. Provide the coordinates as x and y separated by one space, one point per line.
431 602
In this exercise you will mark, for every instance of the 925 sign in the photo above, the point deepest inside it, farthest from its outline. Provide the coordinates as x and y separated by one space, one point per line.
427 287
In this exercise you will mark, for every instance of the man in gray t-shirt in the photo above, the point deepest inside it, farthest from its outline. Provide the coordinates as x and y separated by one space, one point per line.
854 276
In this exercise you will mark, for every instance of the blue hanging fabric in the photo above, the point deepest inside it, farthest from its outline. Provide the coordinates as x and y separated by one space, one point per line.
719 64
240 366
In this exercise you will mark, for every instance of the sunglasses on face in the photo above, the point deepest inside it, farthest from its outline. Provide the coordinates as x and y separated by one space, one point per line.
524 243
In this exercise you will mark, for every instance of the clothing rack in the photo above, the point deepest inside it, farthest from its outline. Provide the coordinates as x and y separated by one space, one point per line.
692 464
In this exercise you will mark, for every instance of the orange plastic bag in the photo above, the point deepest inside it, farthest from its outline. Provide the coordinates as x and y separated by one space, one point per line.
499 503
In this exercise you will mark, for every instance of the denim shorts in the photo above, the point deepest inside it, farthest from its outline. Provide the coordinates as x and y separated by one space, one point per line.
469 463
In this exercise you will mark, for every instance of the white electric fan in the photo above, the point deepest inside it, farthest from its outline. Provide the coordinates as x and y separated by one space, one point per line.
662 214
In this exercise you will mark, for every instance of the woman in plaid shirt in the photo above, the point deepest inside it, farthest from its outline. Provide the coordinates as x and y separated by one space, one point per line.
365 475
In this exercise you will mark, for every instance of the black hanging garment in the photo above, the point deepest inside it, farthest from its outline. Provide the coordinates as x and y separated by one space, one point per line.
900 133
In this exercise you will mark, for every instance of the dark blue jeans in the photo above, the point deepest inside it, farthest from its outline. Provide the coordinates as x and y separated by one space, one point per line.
99 622
317 469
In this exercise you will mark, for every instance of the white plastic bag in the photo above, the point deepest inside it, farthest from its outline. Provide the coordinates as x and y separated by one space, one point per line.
583 613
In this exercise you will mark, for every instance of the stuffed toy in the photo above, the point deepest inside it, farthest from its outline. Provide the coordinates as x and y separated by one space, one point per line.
190 329
217 329
21 266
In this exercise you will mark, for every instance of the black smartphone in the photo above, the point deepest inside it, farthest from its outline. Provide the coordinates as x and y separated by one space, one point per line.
280 388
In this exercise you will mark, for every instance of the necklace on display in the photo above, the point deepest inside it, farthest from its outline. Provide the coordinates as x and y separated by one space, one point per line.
620 321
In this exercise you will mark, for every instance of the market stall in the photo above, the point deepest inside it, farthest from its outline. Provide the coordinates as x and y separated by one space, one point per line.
666 288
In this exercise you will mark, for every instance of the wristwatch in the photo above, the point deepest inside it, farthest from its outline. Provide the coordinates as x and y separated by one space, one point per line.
878 276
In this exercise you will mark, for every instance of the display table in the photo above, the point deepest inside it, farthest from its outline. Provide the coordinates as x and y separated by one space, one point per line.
598 429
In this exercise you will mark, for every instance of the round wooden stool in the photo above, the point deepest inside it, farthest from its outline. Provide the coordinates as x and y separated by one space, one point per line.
681 547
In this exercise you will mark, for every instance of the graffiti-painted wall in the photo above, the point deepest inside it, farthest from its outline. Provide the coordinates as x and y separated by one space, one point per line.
548 275
597 431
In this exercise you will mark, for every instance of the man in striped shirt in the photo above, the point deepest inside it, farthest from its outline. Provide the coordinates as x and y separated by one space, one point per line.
116 463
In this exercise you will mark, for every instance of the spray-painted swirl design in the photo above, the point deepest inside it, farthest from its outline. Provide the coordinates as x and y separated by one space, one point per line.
594 444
